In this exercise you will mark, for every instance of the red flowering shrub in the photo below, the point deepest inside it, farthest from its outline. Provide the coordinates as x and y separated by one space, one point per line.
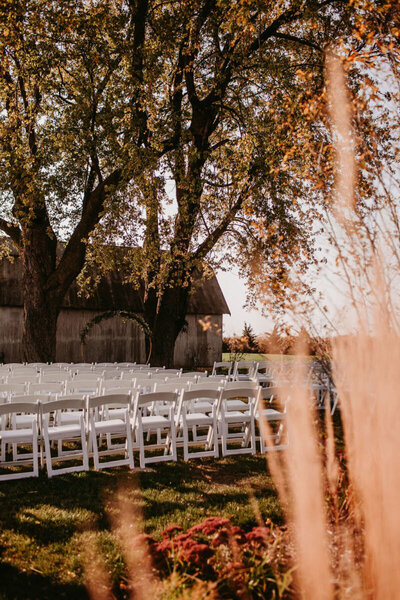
241 565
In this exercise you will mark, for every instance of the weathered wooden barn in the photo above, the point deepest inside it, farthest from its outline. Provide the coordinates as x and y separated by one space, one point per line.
113 340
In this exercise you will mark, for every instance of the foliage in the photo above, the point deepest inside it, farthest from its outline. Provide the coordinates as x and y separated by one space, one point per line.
249 564
108 109
44 522
250 338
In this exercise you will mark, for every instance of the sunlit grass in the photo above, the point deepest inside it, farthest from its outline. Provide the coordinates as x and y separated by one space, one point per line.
44 523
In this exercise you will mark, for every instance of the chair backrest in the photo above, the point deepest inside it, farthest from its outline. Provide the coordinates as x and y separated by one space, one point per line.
236 385
239 392
193 395
54 376
224 366
177 381
248 366
19 407
109 400
83 386
151 398
207 385
22 371
171 372
112 374
30 398
133 374
23 378
125 389
171 386
46 387
194 374
63 404
89 375
11 389
144 384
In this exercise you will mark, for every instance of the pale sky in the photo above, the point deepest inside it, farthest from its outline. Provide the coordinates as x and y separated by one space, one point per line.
234 290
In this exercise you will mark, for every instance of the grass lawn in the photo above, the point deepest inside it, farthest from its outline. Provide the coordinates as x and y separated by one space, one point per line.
227 356
44 523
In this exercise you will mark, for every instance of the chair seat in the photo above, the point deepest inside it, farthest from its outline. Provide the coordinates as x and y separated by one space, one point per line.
236 405
11 435
203 407
63 431
69 417
155 421
237 416
198 419
22 421
270 414
110 426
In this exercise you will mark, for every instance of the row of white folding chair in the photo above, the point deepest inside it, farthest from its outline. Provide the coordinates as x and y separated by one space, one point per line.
55 430
153 420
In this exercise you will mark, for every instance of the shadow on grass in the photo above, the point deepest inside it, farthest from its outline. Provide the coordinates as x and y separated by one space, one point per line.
41 518
17 585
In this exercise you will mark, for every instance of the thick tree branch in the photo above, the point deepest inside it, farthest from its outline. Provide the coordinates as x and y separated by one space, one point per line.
13 231
73 256
297 40
208 244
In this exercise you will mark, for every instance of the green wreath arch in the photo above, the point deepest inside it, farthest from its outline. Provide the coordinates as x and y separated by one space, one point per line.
110 314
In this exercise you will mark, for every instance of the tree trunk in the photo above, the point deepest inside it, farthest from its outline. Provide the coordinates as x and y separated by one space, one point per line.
41 307
166 320
40 328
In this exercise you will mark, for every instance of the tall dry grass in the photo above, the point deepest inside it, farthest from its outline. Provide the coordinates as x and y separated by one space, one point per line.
356 555
344 522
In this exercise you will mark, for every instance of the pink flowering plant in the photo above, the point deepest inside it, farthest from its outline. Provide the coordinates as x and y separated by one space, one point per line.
251 565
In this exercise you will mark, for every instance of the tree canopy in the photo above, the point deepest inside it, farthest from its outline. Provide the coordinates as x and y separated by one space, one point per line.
184 129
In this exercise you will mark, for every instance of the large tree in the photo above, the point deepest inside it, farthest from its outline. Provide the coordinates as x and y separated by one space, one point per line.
109 109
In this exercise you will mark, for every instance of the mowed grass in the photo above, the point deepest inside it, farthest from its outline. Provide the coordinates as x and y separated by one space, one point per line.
45 524
227 356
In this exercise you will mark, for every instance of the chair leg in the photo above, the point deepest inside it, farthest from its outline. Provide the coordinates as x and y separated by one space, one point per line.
140 438
129 446
85 455
35 451
173 440
185 434
47 450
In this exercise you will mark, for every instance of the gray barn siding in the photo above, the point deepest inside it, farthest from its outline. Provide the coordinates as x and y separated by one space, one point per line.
109 341
11 333
201 344
114 340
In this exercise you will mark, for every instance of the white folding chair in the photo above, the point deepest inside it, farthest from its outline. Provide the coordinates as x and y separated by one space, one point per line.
189 416
240 420
222 368
267 412
51 388
53 430
15 437
142 422
244 370
264 375
104 420
12 389
89 387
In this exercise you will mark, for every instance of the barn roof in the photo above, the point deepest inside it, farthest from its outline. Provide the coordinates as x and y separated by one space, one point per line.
111 293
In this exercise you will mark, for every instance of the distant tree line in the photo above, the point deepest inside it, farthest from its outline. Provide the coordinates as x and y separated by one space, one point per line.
279 341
